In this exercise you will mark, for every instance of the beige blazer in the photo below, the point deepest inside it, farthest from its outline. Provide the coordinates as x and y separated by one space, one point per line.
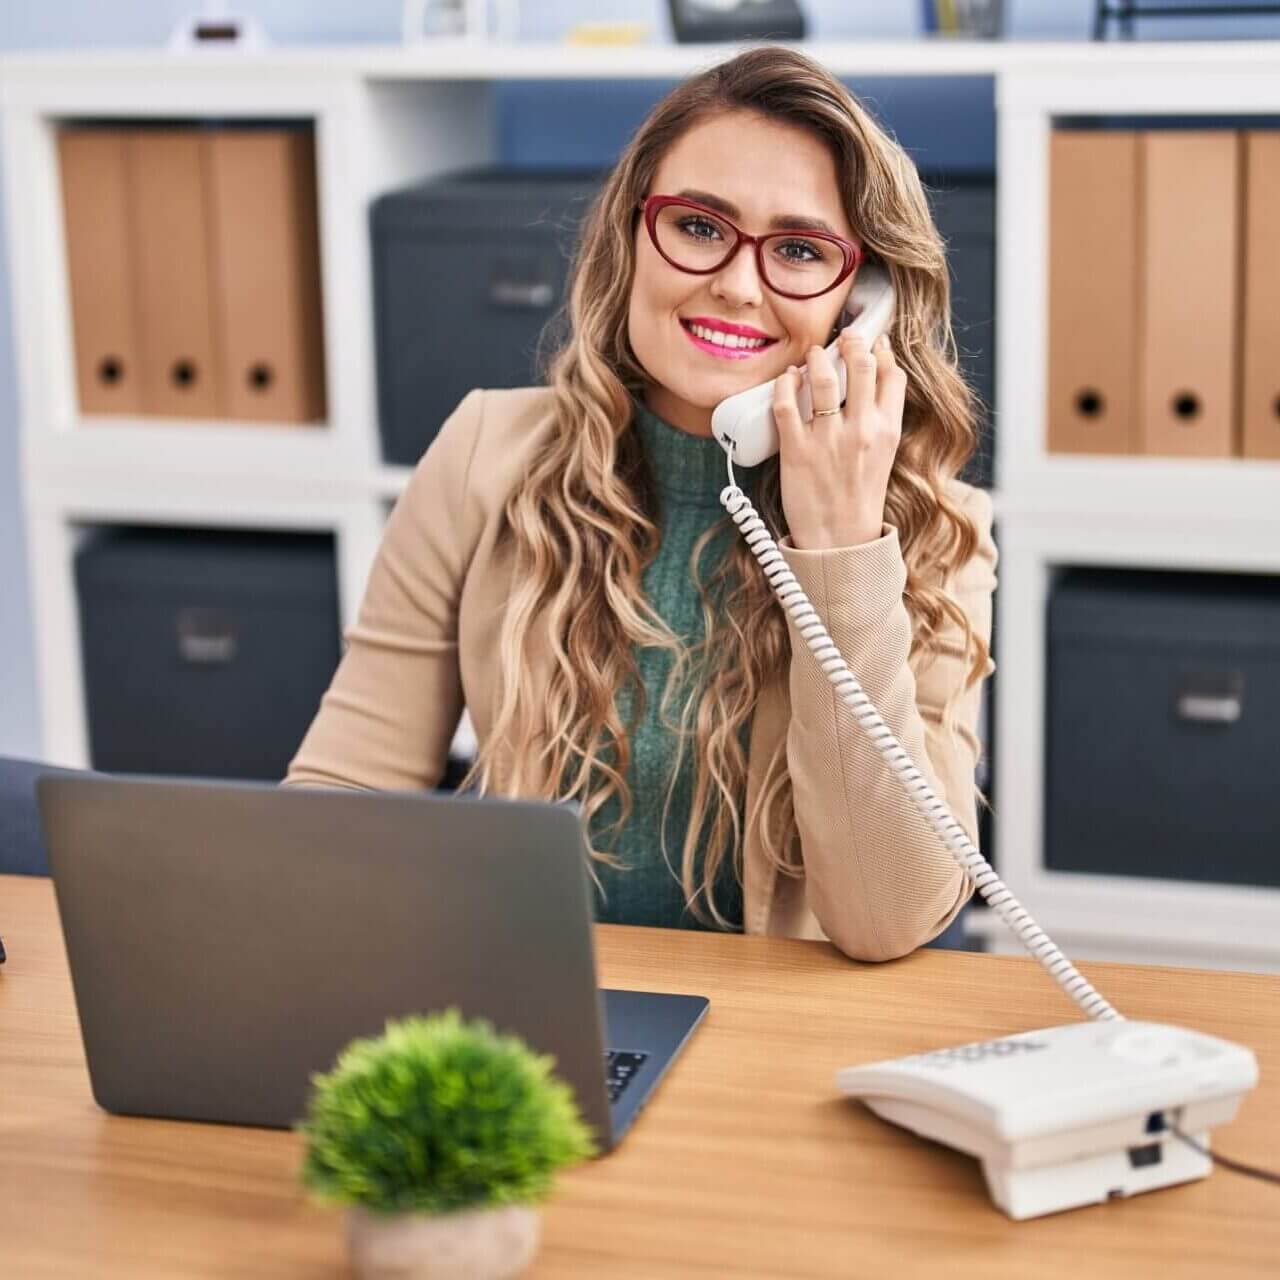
877 880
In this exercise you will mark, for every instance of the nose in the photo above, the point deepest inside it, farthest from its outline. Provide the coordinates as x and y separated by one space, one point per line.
738 282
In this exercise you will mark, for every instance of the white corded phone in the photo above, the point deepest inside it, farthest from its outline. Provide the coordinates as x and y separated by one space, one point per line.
743 424
1061 1117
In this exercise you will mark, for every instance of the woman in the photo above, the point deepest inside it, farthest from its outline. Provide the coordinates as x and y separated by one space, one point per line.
560 563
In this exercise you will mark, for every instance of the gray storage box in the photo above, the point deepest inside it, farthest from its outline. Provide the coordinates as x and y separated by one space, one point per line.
1163 696
205 653
468 270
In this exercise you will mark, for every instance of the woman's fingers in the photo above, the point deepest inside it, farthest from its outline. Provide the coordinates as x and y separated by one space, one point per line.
860 371
824 385
786 412
891 381
875 390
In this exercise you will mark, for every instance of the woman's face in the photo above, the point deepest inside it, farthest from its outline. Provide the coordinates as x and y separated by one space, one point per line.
755 170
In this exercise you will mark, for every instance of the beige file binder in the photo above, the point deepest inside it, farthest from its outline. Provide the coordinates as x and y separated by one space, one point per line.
263 220
97 213
180 368
1190 292
1260 394
1093 291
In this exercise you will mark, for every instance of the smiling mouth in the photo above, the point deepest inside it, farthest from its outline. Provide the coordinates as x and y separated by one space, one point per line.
725 345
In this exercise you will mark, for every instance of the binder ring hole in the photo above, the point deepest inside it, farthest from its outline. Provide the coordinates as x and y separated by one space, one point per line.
1275 406
184 373
1186 405
110 370
1089 403
261 376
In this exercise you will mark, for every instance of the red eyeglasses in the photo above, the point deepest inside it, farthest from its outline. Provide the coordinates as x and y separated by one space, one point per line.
796 264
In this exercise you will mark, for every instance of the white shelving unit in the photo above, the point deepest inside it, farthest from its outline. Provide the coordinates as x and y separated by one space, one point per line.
387 116
1058 510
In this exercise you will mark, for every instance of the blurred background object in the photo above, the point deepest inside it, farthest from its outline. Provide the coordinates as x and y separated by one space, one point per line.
519 227
704 21
205 652
1190 663
435 19
973 19
1120 17
194 270
217 27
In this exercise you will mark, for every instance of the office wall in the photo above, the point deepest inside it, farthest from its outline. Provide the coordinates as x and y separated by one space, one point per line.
946 123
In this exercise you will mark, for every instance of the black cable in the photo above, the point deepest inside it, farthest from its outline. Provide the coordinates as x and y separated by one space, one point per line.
1249 1170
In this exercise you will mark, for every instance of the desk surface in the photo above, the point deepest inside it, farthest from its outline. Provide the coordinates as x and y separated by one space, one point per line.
746 1163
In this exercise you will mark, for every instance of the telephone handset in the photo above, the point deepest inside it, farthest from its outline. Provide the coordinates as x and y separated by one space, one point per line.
1045 1145
743 424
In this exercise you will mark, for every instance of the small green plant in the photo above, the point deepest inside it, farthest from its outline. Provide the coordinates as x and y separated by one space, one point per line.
439 1114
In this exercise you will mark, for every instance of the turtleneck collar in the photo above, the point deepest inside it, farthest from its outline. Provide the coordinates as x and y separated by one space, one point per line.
688 470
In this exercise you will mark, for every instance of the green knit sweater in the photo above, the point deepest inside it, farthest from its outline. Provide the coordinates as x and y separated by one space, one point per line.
688 472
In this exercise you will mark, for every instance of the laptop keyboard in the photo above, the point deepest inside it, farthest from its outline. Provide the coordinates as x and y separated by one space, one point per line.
620 1067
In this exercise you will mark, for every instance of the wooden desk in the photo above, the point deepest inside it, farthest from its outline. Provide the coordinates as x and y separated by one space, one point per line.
746 1163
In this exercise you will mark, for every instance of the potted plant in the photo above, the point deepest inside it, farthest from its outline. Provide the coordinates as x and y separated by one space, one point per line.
440 1136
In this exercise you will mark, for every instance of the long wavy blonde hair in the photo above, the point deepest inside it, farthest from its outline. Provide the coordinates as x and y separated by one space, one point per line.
583 522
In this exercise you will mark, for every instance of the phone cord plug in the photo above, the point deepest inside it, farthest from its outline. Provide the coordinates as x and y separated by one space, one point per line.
974 865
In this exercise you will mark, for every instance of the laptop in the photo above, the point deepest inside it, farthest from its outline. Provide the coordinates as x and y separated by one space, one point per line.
227 939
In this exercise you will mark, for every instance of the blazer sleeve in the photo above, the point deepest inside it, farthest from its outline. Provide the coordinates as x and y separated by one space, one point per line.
878 878
387 718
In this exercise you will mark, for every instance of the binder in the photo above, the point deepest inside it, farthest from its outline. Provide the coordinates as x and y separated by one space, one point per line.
1189 299
267 307
1260 391
1093 291
97 219
180 376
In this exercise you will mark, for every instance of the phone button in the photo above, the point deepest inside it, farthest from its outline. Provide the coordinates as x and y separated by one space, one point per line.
1152 1047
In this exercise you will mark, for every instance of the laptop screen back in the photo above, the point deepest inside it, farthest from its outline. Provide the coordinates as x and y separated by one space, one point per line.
226 940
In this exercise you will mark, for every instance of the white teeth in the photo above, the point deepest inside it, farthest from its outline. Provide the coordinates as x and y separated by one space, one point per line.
726 339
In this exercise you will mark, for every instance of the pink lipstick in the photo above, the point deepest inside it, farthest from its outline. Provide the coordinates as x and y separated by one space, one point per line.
723 352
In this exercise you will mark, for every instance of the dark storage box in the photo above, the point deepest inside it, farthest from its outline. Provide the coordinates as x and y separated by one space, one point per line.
964 209
1163 696
702 23
468 269
205 653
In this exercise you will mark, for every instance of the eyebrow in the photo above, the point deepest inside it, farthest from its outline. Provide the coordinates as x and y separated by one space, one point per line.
783 222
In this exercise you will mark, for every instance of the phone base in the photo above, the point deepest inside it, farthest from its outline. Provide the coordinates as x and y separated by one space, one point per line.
1031 1193
1026 1185
1068 1116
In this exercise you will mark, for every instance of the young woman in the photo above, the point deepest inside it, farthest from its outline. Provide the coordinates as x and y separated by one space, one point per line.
560 563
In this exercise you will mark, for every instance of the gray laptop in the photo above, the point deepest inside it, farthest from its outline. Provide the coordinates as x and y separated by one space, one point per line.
226 940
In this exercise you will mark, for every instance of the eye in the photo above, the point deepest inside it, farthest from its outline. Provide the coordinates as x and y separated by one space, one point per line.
801 251
699 228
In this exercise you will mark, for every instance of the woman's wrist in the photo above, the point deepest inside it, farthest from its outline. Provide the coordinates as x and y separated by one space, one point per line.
834 539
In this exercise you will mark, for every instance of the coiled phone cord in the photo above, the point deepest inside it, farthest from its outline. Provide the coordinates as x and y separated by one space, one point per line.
974 865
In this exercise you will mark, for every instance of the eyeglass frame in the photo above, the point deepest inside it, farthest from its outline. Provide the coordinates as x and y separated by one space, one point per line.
651 206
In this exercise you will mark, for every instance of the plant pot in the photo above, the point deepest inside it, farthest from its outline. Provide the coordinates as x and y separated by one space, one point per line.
470 1244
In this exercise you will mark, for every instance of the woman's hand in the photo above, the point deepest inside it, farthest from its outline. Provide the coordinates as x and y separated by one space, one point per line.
835 468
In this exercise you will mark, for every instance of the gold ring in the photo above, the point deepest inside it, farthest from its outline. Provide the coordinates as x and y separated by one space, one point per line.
824 413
